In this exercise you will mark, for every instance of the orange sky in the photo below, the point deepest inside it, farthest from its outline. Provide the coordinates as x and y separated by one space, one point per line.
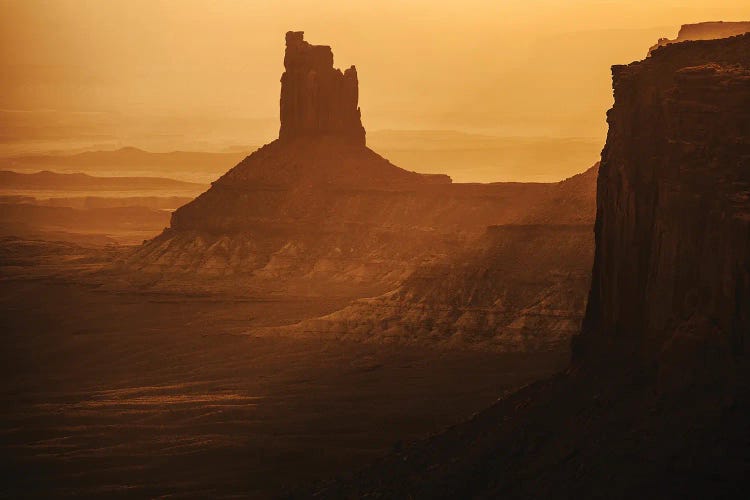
205 74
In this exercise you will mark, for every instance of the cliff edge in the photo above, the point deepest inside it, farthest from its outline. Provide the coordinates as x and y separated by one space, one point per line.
673 218
657 400
710 30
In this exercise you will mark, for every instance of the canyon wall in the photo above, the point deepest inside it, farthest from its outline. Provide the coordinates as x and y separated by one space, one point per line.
672 262
656 402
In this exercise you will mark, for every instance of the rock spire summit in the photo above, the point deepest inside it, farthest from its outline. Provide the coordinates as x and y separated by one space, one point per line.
316 98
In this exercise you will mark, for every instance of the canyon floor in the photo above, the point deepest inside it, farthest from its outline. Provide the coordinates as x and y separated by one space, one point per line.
126 394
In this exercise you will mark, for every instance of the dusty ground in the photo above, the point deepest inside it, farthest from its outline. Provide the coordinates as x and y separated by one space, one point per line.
135 395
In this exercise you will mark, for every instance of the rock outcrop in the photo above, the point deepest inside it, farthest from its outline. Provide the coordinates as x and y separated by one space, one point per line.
318 212
705 31
317 99
657 400
673 219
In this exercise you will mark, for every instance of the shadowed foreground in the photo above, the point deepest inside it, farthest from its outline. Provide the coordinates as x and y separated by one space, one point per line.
124 394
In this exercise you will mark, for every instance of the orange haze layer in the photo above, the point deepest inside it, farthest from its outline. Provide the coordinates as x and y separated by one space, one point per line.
204 75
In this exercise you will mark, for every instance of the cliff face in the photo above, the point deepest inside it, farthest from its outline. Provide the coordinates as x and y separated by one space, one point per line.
657 401
705 31
672 227
316 98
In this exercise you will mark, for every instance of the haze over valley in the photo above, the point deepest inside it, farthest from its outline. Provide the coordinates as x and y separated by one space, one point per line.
234 264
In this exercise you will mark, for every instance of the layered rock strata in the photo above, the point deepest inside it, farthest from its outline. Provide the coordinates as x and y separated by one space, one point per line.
673 221
519 288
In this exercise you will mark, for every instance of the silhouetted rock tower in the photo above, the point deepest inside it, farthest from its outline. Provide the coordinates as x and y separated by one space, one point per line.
316 98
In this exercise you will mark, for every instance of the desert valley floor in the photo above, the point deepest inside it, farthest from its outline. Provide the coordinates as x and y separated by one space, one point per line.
125 394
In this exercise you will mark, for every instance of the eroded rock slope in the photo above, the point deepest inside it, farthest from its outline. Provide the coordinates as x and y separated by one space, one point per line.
521 287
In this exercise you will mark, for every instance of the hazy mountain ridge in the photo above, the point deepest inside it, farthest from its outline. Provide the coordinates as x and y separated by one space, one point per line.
705 31
466 157
88 209
55 181
185 165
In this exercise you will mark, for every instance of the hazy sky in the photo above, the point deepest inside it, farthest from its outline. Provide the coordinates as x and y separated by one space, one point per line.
192 74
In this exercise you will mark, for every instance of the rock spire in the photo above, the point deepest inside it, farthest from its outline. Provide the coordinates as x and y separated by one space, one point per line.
316 98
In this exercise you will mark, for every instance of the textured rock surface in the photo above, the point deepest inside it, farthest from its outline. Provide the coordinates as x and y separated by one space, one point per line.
657 401
673 221
521 287
316 98
705 31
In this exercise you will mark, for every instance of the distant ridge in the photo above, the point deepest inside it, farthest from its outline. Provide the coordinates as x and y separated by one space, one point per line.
47 180
127 160
709 30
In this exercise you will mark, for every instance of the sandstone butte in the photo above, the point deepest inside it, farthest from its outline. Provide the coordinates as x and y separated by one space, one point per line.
317 211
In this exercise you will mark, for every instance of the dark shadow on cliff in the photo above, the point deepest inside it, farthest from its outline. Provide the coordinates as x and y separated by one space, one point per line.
656 401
